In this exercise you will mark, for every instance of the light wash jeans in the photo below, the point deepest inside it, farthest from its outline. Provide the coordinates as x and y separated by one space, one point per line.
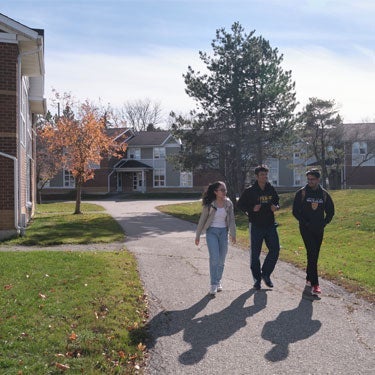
217 243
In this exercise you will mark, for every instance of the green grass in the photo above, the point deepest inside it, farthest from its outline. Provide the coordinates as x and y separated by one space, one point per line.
84 310
55 224
347 254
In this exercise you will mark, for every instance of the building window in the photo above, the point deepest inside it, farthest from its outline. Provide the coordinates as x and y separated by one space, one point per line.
135 153
359 148
186 179
273 174
159 153
69 180
159 177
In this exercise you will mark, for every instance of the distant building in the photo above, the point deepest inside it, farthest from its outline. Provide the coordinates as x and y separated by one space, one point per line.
145 168
21 99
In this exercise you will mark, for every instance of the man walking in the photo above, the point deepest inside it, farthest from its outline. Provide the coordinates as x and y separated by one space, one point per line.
314 209
259 202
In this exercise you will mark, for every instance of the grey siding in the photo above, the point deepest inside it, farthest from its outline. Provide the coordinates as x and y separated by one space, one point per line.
172 175
285 173
57 181
147 153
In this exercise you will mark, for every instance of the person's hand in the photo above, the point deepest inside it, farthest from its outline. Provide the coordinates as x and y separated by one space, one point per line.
257 207
274 208
197 241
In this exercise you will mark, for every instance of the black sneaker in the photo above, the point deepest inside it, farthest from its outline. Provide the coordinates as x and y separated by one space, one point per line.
267 281
257 285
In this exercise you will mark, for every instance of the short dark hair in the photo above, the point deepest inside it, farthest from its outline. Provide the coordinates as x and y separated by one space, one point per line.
261 168
313 172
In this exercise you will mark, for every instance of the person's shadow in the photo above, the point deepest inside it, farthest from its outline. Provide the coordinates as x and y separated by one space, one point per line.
208 330
289 327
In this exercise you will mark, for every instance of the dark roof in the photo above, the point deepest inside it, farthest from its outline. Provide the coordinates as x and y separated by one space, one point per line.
144 138
132 164
115 132
359 132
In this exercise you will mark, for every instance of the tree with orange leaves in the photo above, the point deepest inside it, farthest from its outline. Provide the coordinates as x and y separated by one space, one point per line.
81 140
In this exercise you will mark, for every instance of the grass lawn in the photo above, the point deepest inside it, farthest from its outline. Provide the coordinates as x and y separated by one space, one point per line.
55 224
83 312
348 252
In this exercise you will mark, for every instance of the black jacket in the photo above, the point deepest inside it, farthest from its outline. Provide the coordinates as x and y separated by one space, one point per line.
315 209
255 195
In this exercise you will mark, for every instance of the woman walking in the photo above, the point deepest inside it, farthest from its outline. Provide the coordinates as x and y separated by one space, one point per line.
217 219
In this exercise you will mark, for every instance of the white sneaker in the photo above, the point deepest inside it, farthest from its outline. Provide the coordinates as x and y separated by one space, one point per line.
213 289
219 287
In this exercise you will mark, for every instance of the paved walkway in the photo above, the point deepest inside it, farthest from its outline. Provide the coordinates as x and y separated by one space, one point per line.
278 331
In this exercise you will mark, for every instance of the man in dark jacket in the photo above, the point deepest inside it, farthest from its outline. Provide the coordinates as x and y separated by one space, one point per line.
314 209
259 202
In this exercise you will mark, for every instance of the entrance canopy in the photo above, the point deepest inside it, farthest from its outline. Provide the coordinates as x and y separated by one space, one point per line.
132 166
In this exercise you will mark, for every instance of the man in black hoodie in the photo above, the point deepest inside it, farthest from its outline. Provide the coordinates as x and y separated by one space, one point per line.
314 209
259 202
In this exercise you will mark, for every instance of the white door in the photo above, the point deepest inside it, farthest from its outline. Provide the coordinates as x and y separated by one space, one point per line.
137 181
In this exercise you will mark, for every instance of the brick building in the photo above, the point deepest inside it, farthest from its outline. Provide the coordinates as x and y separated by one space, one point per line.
21 99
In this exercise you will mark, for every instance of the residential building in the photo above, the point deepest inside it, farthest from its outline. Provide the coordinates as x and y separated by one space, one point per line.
147 167
359 149
21 100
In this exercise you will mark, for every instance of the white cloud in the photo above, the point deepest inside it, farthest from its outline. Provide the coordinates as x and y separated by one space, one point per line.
116 79
318 72
349 80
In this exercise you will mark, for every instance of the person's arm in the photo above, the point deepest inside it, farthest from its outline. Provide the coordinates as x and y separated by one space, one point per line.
275 200
202 220
329 209
297 206
243 203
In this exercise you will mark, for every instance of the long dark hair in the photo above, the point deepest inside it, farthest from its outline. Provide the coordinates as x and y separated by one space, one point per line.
209 195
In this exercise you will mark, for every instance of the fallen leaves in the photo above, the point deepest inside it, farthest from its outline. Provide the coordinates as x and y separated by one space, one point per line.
8 287
62 367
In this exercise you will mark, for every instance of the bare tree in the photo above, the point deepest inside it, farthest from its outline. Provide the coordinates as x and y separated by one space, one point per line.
141 114
321 127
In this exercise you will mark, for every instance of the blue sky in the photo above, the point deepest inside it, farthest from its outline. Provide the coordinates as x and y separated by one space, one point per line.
121 50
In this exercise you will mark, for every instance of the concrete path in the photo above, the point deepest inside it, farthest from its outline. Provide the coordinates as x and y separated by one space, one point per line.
271 331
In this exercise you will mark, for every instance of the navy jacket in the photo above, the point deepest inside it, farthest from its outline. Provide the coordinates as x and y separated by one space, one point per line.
254 195
315 210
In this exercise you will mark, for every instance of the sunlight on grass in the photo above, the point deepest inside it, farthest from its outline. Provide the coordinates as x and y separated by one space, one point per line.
55 224
85 310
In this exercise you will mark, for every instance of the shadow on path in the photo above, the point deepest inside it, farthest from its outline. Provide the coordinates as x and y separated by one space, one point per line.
152 225
289 327
208 330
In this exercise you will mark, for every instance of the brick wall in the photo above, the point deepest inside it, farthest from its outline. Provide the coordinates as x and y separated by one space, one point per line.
8 131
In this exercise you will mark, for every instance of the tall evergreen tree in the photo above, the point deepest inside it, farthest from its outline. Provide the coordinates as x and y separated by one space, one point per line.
245 103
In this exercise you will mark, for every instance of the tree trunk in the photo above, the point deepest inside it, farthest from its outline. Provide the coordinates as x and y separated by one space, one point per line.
39 196
78 196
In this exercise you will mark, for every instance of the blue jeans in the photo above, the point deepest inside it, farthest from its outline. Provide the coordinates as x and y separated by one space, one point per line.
271 238
217 243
